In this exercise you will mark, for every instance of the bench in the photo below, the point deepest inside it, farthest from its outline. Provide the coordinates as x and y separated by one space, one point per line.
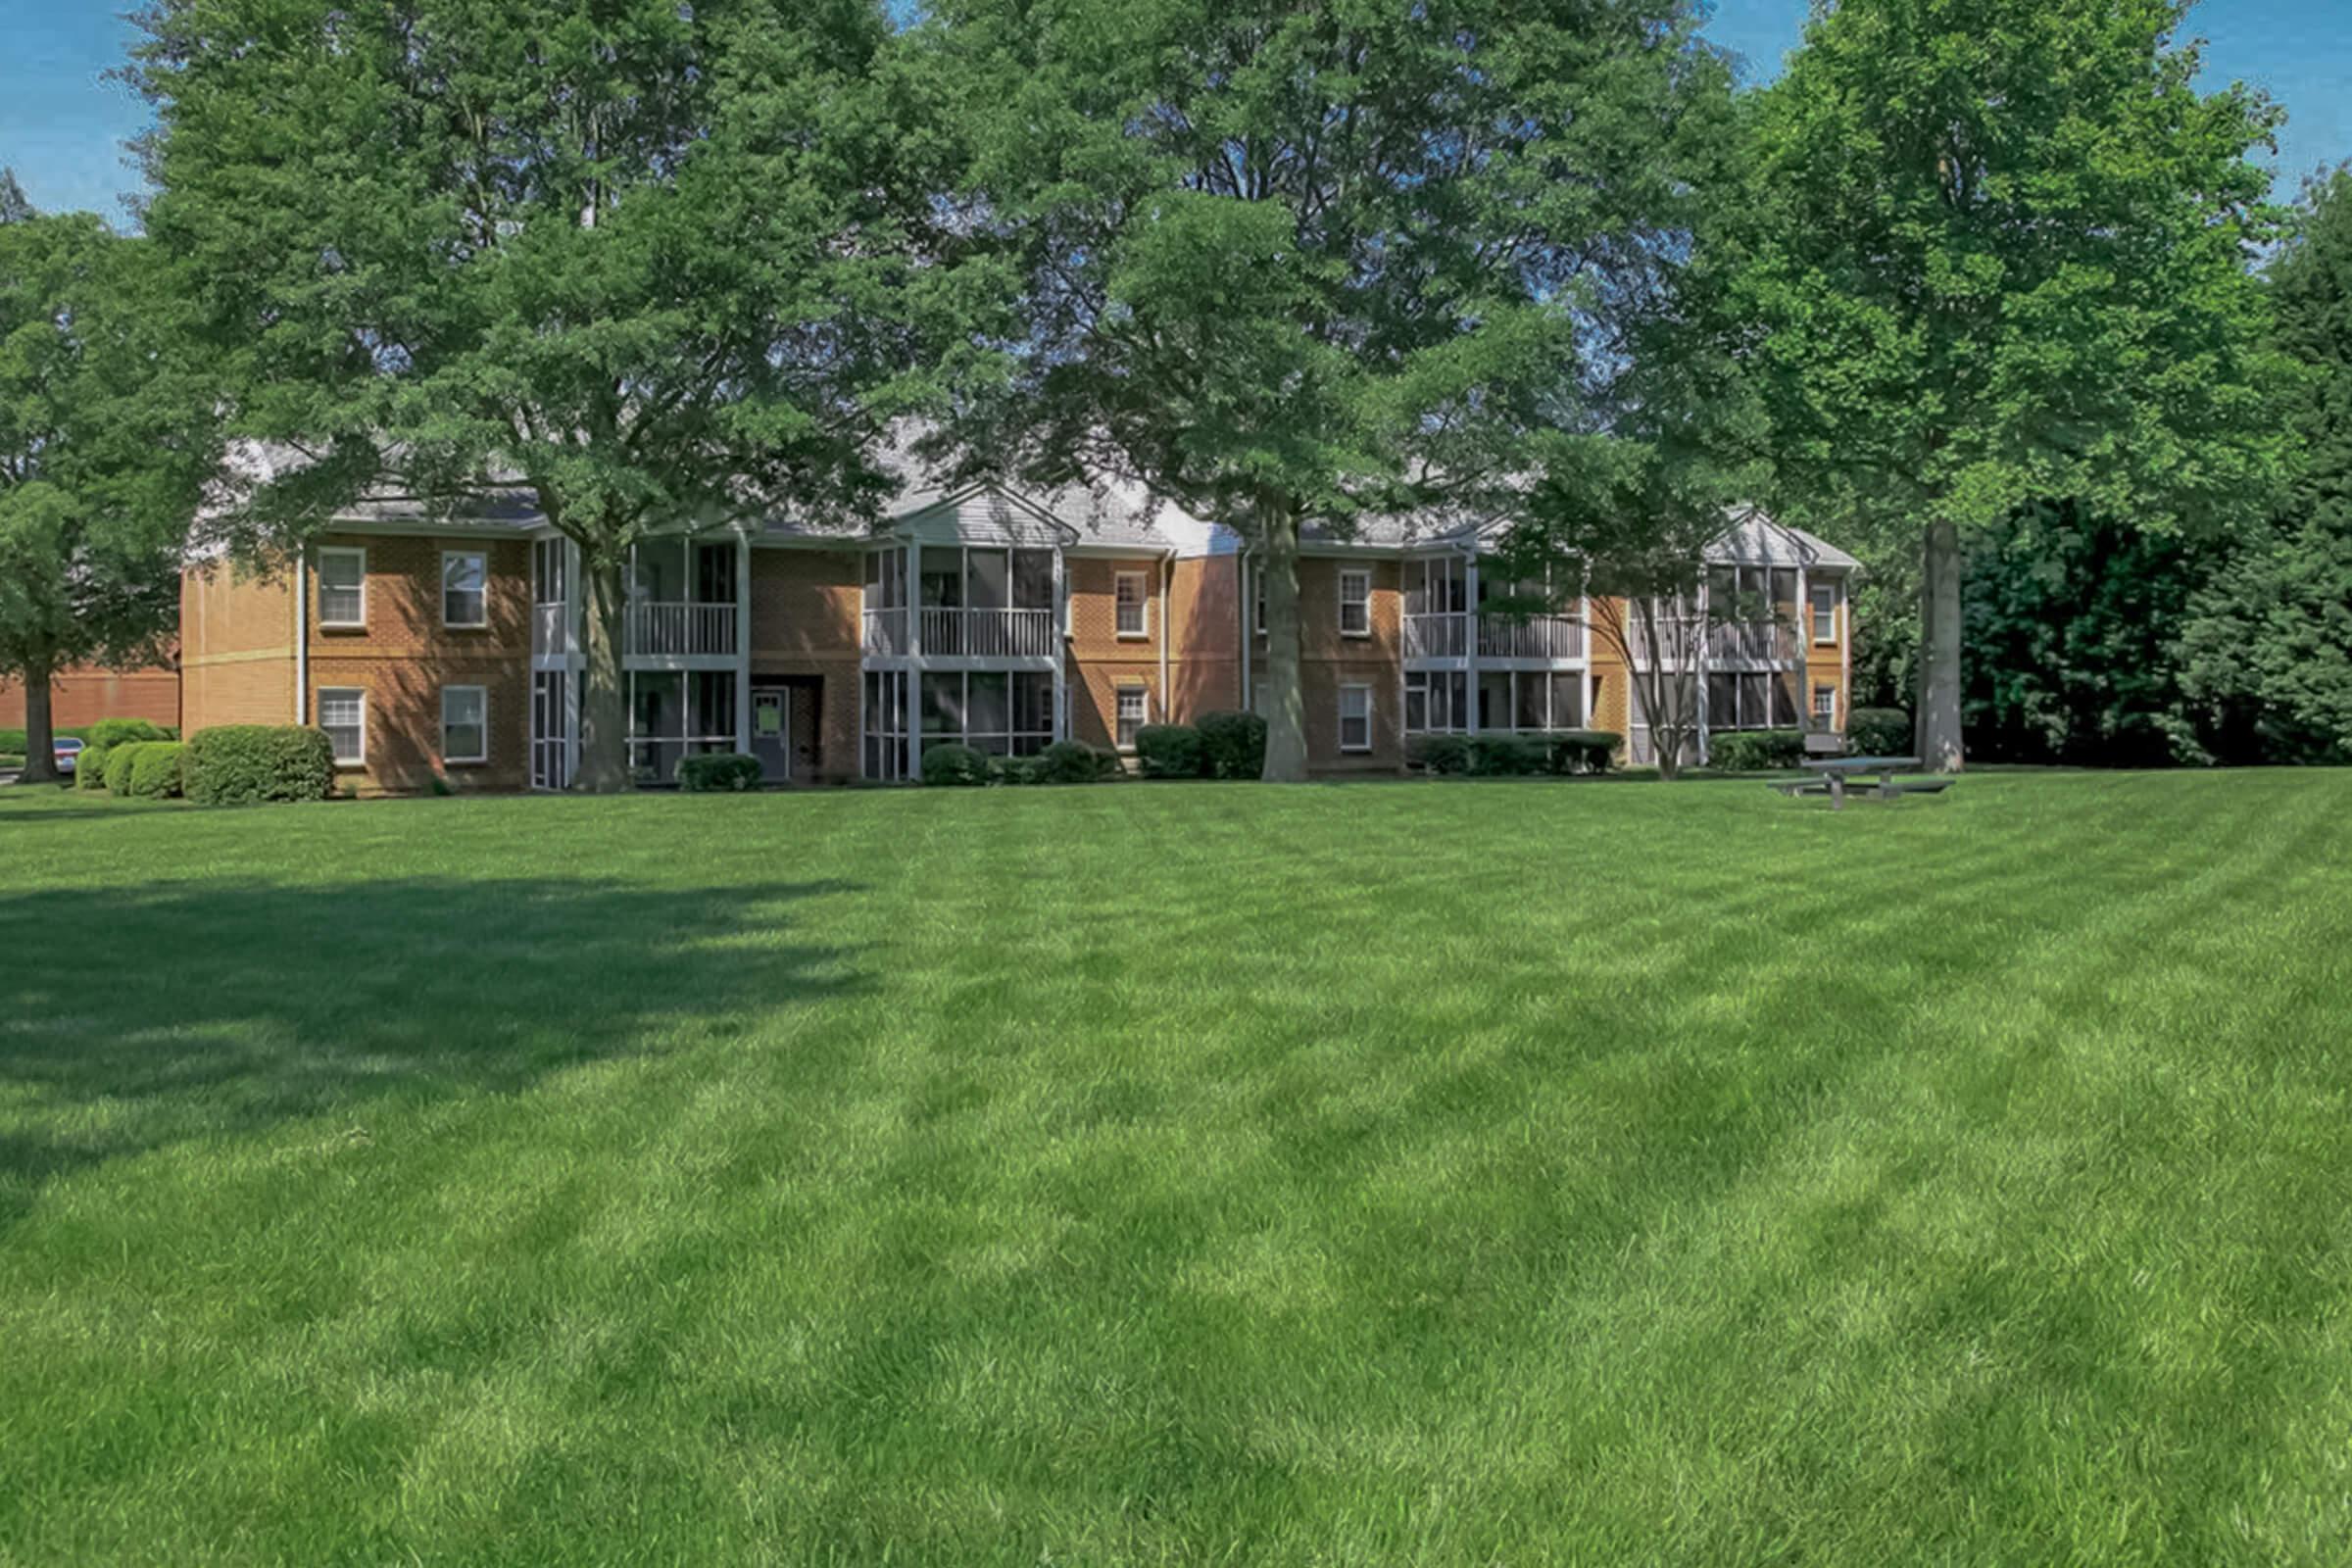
1838 772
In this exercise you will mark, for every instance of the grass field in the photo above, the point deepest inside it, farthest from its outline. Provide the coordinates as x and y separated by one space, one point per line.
1422 1173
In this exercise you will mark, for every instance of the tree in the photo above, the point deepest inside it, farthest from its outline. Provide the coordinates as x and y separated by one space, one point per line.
2268 646
1295 264
106 441
1998 253
650 265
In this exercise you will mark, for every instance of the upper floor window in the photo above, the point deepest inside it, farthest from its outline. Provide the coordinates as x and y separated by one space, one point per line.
1128 593
1825 612
1258 611
1438 585
1750 700
1355 604
465 588
342 587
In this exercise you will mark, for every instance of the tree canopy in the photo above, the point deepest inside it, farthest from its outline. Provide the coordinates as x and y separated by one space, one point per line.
650 264
1299 263
1999 252
106 444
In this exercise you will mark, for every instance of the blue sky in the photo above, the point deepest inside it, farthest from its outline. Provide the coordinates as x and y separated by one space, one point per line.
62 125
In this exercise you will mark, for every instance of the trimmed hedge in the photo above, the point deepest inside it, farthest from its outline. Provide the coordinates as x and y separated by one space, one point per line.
1576 750
90 768
1015 770
1076 762
1233 744
156 770
720 771
118 759
1170 750
1756 751
1878 732
950 765
236 765
120 731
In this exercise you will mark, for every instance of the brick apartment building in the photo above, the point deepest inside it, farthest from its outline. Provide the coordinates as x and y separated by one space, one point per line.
86 694
444 653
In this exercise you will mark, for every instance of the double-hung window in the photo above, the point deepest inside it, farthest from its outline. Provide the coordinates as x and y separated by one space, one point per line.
1355 718
1825 705
465 589
464 724
343 715
342 588
1134 710
1825 612
1355 604
1128 594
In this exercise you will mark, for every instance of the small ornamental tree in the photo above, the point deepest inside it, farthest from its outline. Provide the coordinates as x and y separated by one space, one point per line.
1290 264
106 439
1995 252
648 263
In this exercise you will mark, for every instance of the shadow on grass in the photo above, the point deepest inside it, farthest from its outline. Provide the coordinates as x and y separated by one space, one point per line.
134 1018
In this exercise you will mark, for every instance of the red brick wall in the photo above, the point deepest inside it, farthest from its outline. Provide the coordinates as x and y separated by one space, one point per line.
236 647
806 609
88 694
1101 660
1329 659
1205 625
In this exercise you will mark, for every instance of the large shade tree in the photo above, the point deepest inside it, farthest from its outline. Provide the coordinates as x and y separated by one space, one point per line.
106 442
1290 264
1998 252
2268 645
650 264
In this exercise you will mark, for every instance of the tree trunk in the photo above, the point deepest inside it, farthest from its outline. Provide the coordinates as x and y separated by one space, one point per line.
1285 710
1938 720
40 728
603 697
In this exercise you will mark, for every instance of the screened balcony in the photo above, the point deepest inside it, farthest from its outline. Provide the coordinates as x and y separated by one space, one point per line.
960 602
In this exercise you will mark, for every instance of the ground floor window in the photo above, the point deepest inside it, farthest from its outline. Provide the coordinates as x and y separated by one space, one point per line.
885 724
1530 700
1435 702
343 715
550 729
464 724
1751 700
998 711
1355 718
1134 708
675 714
1825 707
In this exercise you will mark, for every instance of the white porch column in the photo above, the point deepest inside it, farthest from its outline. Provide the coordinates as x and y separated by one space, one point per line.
1062 649
1470 643
913 695
743 641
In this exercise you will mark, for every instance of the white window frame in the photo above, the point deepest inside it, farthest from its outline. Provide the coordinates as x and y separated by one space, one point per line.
358 623
1118 699
482 556
1344 689
1820 637
1362 601
1258 599
1828 690
450 759
1141 604
358 759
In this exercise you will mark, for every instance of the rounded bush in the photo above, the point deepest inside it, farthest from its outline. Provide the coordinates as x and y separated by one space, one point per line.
1015 770
1170 750
1756 751
950 765
1075 762
154 770
720 771
1440 754
120 731
1878 732
119 760
1233 744
1584 751
89 769
235 765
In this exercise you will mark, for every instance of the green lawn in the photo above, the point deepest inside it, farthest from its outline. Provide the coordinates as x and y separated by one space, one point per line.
1445 1173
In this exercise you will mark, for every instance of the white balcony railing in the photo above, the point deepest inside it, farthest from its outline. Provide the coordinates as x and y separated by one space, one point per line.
678 629
549 633
1542 637
1438 636
987 633
886 633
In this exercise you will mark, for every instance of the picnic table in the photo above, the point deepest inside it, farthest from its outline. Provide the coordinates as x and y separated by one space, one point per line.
1839 771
